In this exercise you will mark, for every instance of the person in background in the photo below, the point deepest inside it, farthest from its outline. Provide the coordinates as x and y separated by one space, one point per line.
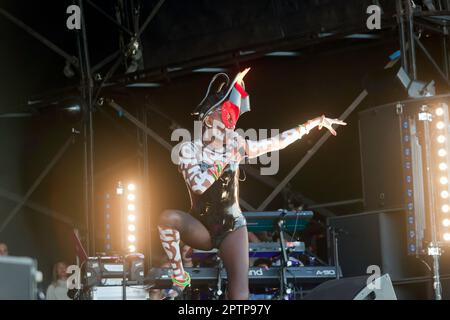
3 249
57 290
263 263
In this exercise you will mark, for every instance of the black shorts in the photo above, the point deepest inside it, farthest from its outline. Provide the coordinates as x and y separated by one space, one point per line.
221 223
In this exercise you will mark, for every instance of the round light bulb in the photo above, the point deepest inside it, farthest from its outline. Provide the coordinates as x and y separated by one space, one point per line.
439 111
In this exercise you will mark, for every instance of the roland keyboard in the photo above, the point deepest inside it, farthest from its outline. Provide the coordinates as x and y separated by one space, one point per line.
160 278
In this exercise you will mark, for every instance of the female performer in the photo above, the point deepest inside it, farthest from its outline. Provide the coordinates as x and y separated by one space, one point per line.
210 167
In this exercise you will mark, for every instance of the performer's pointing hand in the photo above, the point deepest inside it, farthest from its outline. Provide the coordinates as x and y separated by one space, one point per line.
328 123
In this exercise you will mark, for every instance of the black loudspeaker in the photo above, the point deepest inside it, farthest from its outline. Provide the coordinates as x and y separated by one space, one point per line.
381 157
355 288
378 239
375 238
18 278
388 151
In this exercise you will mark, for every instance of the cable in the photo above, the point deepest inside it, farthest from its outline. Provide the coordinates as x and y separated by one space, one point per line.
425 263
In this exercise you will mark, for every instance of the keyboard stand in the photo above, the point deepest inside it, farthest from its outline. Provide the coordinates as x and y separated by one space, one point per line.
218 292
285 263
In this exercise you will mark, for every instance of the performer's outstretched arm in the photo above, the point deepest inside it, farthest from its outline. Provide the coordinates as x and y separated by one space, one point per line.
254 149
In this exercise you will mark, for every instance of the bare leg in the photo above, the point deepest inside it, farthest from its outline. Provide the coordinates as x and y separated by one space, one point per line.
172 224
192 231
234 253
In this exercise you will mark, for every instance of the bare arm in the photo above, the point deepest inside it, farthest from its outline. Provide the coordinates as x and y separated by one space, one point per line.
254 149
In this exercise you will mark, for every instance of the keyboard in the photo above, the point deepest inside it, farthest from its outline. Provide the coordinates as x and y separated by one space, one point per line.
160 278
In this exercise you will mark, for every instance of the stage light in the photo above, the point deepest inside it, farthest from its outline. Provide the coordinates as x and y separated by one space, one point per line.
445 208
444 194
73 108
446 223
439 111
443 180
441 139
132 248
119 189
132 238
415 88
131 207
209 70
442 166
131 217
440 125
144 85
131 187
442 152
131 197
446 236
283 54
131 227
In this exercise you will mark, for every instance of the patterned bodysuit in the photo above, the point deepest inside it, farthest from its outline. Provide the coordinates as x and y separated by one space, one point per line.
215 203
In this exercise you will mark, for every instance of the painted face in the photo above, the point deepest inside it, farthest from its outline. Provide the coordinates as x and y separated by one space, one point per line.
229 114
214 116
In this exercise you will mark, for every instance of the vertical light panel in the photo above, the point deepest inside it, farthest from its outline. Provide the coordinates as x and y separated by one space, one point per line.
440 170
413 182
408 183
132 217
107 209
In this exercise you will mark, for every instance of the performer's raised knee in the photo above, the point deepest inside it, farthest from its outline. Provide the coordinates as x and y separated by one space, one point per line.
170 219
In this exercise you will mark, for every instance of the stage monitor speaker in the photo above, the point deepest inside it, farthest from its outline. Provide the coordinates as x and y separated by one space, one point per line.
18 278
355 288
374 239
